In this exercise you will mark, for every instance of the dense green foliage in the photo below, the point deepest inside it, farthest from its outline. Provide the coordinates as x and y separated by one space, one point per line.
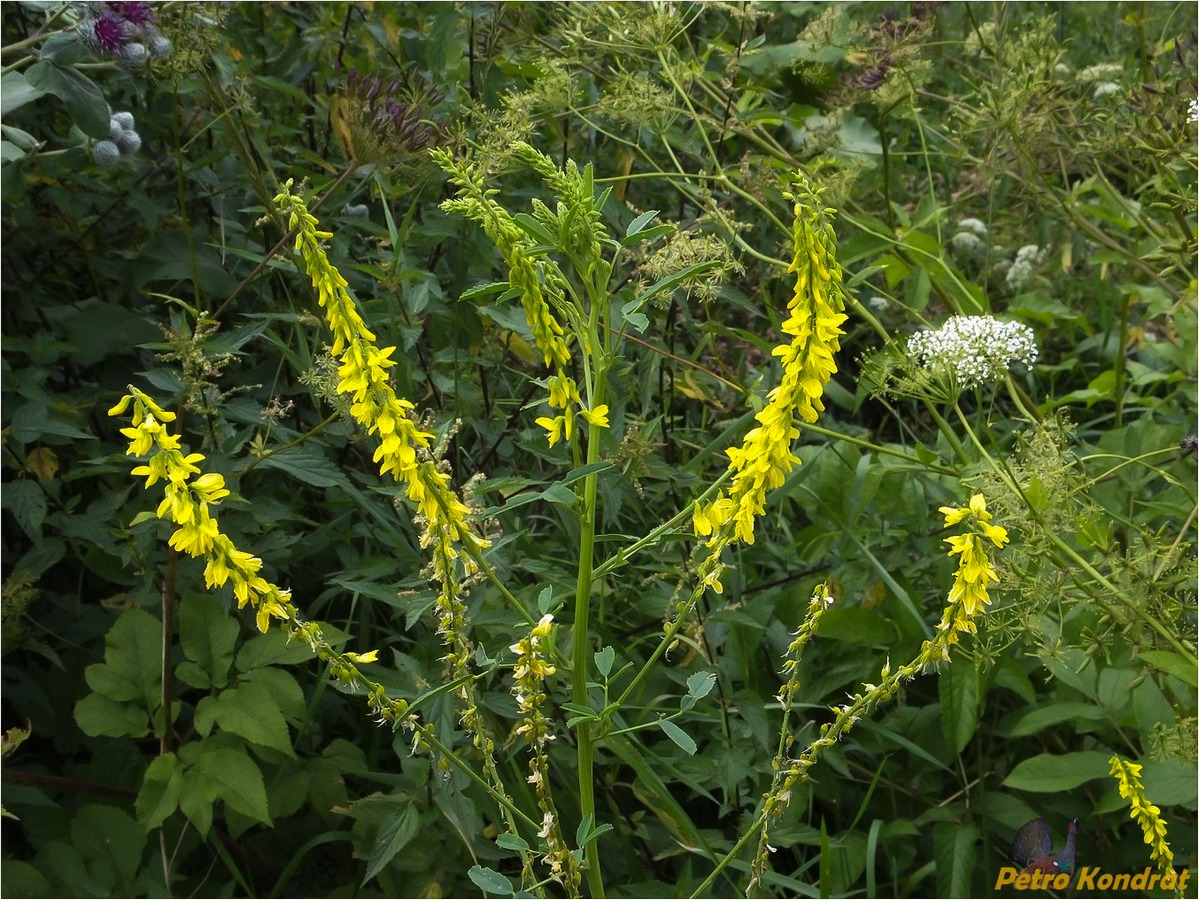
1036 163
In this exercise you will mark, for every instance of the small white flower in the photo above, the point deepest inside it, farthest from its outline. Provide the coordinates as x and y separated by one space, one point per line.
1193 112
547 825
1103 89
974 349
878 304
1021 269
966 244
974 226
1101 72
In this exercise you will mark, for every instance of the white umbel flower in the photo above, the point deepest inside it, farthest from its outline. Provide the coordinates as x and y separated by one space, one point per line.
974 349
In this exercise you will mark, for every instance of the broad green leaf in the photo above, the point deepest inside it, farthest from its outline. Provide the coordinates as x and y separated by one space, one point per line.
26 500
111 844
159 794
238 781
85 101
248 711
1170 782
273 648
207 635
699 686
133 659
1050 773
394 834
490 881
512 842
956 850
604 660
283 688
680 737
1038 719
959 689
100 716
308 466
1172 664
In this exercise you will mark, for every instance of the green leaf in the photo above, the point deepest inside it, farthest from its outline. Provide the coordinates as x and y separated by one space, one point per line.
535 229
628 312
959 688
100 716
26 500
393 835
238 781
250 712
1035 720
604 660
133 659
640 222
956 850
699 686
110 843
1172 664
649 234
1170 782
84 100
207 635
309 466
490 881
679 736
671 281
485 290
16 91
284 690
512 842
159 794
1049 773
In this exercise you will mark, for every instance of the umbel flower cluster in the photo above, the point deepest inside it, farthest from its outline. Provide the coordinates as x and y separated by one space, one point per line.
973 349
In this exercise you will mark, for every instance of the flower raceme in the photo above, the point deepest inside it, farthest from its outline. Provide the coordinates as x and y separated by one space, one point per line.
764 458
373 403
968 596
186 502
1144 813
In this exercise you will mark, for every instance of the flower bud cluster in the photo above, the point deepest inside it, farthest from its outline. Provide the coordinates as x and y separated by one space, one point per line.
122 140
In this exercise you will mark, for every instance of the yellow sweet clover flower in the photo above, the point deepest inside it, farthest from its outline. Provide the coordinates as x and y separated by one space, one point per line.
968 596
1144 813
374 404
764 458
538 284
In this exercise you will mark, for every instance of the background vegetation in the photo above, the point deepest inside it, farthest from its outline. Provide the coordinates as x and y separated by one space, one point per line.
1029 161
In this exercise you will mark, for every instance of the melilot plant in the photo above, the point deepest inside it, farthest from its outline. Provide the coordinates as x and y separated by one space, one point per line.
560 262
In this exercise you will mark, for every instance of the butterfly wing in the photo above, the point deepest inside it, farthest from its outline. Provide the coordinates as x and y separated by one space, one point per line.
1033 841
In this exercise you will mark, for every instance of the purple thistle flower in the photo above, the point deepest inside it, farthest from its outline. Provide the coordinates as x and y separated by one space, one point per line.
108 33
136 12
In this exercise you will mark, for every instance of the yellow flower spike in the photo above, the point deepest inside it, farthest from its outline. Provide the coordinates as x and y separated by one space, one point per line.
597 417
1144 813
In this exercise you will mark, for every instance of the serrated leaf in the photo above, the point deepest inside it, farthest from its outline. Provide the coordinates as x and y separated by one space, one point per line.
308 466
700 684
100 716
159 794
679 736
237 780
490 880
1172 664
26 500
393 835
208 636
249 711
959 690
604 660
111 843
956 849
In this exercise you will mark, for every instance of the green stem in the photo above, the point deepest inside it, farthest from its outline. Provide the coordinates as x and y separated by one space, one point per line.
581 647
